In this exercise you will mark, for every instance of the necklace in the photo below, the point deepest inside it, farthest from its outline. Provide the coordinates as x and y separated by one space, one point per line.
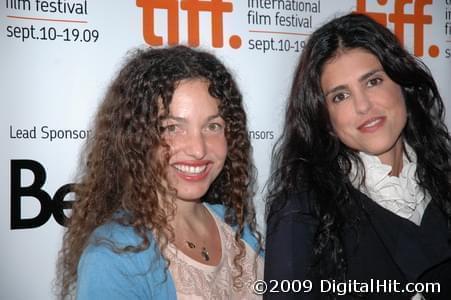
203 251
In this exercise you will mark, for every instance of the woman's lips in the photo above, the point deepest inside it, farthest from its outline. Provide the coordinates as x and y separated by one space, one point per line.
372 124
192 171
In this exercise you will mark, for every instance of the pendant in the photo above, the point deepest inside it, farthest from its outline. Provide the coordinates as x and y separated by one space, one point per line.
205 254
191 244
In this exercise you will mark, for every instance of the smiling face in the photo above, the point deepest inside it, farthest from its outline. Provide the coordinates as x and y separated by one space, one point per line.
195 133
366 108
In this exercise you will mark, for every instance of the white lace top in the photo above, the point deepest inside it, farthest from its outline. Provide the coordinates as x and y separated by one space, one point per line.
194 280
401 195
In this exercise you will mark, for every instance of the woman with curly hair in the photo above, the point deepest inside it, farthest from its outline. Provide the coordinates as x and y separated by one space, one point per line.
359 200
163 206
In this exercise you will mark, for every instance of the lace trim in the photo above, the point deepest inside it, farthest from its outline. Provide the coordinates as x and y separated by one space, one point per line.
194 280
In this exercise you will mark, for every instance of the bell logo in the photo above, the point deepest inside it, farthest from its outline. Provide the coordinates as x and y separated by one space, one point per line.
193 8
400 18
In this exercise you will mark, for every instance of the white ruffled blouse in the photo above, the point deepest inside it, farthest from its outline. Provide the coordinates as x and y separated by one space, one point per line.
401 195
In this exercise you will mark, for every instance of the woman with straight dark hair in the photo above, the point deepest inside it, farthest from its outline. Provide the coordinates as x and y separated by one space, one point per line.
164 204
359 203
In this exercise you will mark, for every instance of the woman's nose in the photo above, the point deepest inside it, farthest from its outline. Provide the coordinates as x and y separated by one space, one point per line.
362 103
195 145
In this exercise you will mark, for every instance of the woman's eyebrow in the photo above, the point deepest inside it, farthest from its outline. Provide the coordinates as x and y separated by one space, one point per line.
335 89
174 118
213 117
369 74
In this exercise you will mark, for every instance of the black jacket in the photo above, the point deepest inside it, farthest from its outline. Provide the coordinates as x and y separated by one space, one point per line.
382 246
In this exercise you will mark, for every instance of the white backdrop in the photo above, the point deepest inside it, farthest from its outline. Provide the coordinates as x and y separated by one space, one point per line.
57 58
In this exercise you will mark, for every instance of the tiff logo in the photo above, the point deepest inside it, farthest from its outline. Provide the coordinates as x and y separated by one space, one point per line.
193 8
400 18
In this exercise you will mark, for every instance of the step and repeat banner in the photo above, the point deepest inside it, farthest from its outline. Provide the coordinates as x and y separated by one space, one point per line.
58 57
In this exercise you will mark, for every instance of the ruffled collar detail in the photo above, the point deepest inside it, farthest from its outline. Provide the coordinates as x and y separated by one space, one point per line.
401 195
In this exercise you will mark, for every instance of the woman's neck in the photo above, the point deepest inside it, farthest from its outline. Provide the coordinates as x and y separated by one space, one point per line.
394 157
192 215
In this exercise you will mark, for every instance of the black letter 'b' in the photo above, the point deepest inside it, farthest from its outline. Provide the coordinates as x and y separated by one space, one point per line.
34 190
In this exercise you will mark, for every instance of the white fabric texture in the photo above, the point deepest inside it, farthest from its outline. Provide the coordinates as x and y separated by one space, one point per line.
399 194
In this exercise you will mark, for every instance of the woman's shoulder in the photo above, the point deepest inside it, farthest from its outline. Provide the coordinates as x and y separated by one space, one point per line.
107 263
111 242
115 241
113 231
292 202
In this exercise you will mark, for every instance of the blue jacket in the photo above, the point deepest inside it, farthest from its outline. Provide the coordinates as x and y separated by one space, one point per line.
104 274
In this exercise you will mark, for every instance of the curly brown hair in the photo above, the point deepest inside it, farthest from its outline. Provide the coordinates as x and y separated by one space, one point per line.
120 169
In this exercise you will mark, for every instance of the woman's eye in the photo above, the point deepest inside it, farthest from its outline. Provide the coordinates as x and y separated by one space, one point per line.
214 127
339 97
374 82
171 128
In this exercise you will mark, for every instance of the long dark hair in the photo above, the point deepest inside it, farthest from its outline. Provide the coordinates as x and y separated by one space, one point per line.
121 169
308 157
